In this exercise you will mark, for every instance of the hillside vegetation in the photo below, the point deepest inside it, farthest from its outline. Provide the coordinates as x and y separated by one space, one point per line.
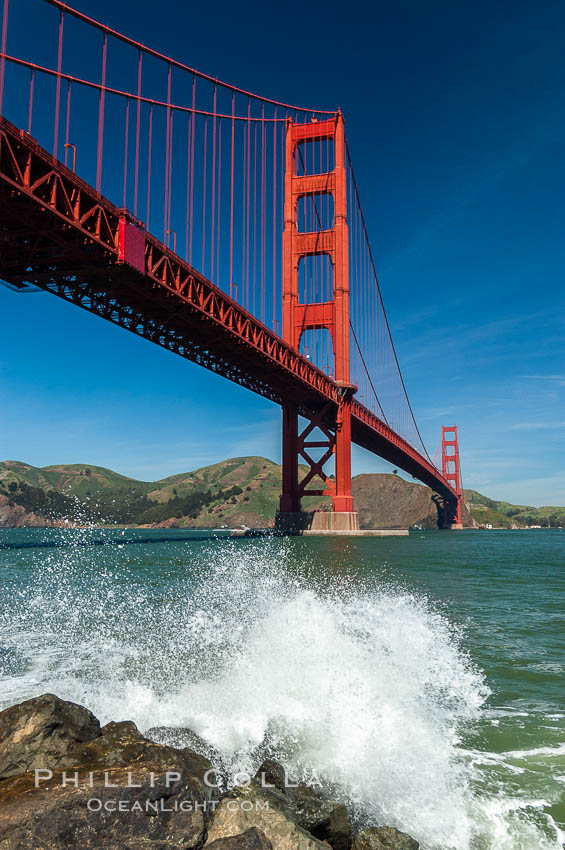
234 492
503 514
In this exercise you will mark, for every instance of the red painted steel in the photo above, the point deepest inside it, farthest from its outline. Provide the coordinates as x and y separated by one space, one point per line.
181 139
131 243
61 235
332 315
451 472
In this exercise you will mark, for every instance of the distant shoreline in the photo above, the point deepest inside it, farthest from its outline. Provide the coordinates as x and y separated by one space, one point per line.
235 493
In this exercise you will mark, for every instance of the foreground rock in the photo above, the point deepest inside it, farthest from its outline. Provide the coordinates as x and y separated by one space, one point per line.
289 817
39 732
67 782
327 820
253 839
244 808
115 790
179 737
384 838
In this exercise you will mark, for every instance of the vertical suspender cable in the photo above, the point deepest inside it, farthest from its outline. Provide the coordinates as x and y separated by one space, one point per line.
204 190
366 317
189 131
219 200
166 206
30 113
282 172
385 318
126 145
231 188
243 208
3 61
58 86
248 177
213 217
193 134
149 144
263 200
275 131
170 186
254 216
101 118
68 120
137 133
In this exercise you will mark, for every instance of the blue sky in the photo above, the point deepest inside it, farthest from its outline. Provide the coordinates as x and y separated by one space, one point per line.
454 117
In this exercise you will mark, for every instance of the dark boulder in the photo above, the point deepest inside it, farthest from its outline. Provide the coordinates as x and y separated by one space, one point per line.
253 839
251 806
122 744
384 838
182 738
272 773
115 790
327 820
40 731
290 817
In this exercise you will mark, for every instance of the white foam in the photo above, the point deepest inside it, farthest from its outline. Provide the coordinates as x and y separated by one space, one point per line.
559 750
365 686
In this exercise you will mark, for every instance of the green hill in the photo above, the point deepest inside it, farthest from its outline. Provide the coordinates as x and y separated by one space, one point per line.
233 492
75 479
548 516
485 516
237 491
504 514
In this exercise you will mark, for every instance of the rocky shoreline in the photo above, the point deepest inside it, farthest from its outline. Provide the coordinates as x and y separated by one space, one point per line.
65 781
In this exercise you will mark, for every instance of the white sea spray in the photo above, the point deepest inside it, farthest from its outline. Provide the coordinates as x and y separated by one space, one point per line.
347 677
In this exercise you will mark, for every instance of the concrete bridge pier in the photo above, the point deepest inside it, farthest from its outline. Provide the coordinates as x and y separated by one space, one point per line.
329 523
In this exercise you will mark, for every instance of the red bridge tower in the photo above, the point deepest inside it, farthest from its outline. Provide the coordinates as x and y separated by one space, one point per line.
332 315
451 472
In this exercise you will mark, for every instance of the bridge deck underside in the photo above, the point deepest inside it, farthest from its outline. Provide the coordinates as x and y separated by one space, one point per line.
58 234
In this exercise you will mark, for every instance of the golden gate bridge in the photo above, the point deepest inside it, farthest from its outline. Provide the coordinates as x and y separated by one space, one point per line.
222 225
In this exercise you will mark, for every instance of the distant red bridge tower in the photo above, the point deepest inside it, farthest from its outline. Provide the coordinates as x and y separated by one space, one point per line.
452 473
331 315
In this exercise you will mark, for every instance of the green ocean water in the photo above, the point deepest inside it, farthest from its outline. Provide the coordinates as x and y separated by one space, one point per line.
420 678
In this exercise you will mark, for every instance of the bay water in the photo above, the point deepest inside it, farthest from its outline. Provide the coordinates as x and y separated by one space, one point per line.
419 679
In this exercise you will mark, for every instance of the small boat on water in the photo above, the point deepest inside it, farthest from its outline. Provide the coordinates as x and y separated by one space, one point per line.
245 531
